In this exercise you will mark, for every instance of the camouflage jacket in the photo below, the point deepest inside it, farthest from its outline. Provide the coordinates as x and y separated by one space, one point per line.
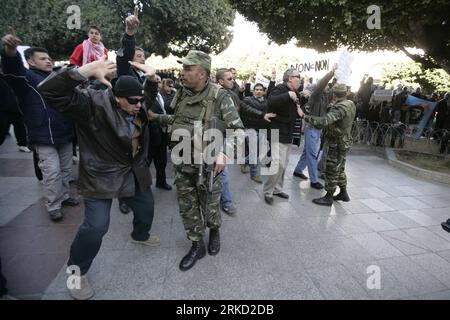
338 122
190 107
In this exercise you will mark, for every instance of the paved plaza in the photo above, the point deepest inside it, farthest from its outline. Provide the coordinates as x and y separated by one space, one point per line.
292 250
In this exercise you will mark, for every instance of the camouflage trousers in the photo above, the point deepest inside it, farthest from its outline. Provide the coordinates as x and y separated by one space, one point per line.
335 168
198 208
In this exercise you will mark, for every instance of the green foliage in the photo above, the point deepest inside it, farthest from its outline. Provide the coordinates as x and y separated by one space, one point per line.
170 26
43 23
412 74
248 64
326 25
167 26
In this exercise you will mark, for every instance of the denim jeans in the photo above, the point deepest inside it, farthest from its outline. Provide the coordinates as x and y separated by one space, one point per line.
225 199
96 224
310 153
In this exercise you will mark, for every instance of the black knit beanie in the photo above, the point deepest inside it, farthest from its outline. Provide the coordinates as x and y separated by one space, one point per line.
128 86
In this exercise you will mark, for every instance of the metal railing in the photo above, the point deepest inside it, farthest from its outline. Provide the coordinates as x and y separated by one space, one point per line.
389 135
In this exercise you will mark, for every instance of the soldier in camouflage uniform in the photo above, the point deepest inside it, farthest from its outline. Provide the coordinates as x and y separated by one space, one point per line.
338 123
199 100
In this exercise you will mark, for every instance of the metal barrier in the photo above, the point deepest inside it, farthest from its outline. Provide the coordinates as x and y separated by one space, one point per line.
389 135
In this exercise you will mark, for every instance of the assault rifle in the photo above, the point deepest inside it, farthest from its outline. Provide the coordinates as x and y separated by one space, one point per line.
206 171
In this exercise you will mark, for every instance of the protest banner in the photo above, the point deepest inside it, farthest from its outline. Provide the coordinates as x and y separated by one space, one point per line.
321 64
419 115
382 95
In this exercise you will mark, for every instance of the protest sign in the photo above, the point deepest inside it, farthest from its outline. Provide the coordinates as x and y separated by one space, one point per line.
419 115
321 64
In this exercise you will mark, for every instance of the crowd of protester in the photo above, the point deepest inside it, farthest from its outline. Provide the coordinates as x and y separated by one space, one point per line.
51 134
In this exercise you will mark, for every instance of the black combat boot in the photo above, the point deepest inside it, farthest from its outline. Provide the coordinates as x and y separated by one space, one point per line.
342 196
197 252
214 242
325 201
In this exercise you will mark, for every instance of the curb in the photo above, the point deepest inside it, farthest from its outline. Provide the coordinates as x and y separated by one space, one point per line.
416 171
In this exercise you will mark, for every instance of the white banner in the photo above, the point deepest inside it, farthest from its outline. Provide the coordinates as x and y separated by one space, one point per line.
260 79
344 71
382 95
317 68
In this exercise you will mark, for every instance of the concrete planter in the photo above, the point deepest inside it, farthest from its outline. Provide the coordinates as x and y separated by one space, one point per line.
416 171
421 145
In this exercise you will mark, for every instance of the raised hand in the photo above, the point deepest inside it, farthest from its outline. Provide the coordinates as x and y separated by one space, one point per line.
149 71
100 70
133 22
335 67
10 42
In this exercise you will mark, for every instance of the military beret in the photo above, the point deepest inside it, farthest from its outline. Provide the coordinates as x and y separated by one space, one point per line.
196 57
340 87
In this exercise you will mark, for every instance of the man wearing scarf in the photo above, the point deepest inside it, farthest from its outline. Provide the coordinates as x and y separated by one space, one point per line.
90 50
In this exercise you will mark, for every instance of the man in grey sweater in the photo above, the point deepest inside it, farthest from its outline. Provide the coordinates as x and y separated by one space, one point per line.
316 106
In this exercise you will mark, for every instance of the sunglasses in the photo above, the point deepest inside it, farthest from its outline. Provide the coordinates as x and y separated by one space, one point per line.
135 100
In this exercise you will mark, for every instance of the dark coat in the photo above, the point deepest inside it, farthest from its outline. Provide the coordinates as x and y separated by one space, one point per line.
168 101
443 115
45 125
244 109
255 122
158 132
8 101
108 168
124 55
279 102
319 100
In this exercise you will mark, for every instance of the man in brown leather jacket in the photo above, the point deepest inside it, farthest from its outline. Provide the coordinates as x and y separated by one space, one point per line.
112 128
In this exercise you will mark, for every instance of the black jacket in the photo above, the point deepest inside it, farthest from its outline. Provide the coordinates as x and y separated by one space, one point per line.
126 54
280 102
158 132
443 115
45 125
244 109
108 168
168 101
8 101
319 101
255 122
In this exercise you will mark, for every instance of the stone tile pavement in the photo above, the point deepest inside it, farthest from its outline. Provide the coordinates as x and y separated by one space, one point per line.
293 250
